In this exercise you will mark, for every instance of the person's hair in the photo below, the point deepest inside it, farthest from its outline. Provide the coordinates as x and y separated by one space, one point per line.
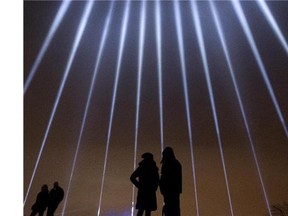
44 187
167 154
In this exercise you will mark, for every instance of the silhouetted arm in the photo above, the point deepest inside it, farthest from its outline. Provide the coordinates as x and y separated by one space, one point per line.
134 177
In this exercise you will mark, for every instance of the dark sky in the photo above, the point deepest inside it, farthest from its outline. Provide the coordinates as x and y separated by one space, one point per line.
56 160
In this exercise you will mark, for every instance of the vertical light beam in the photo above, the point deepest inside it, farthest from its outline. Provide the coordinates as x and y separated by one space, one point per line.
58 19
95 72
119 61
178 22
270 18
249 36
200 39
140 69
231 70
159 64
76 42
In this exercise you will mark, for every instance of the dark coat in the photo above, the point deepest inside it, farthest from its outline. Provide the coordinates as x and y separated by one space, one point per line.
56 195
147 184
171 177
41 201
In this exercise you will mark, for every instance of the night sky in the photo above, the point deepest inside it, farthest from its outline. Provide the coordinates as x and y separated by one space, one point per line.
267 133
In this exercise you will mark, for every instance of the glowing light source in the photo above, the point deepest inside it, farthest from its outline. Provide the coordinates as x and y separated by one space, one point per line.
95 72
231 70
140 63
270 18
200 39
119 61
159 63
76 42
178 22
58 19
249 36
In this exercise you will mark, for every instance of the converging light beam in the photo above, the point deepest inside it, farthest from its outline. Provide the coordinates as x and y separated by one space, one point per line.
95 72
231 70
249 36
140 69
119 61
200 39
159 64
178 22
58 19
76 42
270 18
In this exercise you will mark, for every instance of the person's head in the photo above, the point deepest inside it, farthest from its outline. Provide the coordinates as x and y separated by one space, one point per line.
147 156
168 154
56 184
44 187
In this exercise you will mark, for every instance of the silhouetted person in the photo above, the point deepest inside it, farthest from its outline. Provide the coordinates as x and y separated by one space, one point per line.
56 195
171 182
41 202
146 179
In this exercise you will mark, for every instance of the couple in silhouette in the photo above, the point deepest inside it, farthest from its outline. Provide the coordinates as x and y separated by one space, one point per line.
46 199
146 179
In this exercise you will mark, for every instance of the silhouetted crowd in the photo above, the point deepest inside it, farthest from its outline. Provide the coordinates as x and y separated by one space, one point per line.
47 199
146 179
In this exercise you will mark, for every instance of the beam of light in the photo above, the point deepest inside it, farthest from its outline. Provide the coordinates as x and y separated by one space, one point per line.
76 42
231 70
178 22
140 63
200 39
95 72
159 58
249 36
58 19
119 61
270 18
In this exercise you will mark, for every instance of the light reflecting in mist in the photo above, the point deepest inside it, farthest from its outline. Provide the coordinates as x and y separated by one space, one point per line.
178 22
57 21
159 63
95 72
240 14
139 79
271 20
119 61
195 13
231 70
76 43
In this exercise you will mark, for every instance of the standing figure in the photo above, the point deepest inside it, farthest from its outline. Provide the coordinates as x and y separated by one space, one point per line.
147 184
56 195
41 202
171 182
